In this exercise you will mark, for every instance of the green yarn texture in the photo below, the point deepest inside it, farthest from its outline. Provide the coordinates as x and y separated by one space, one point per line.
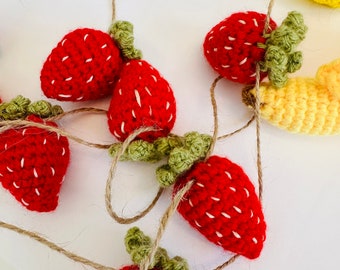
182 153
20 107
281 57
138 245
122 33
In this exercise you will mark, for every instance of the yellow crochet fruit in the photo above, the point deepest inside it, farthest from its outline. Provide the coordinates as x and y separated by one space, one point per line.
303 105
331 3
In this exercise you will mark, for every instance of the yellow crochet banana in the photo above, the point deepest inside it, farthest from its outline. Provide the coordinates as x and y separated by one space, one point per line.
331 3
303 105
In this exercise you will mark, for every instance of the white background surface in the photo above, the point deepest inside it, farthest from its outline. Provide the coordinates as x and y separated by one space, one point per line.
301 173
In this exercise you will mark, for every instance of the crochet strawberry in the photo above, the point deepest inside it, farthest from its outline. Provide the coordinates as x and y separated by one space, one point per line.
235 45
231 46
223 206
141 98
83 66
33 165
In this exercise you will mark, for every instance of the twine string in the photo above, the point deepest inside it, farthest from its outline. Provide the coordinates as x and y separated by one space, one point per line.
112 172
55 247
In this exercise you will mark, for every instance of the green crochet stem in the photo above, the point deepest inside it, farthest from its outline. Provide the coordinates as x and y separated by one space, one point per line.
138 245
20 107
182 153
281 57
122 33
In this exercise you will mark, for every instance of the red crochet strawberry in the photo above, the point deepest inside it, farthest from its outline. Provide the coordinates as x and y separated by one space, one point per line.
83 66
231 47
141 98
223 206
33 165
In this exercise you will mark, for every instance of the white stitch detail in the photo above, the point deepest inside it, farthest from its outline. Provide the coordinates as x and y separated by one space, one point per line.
16 185
88 60
53 171
148 91
86 36
138 98
243 61
209 215
122 127
232 188
236 234
154 78
242 21
231 38
254 240
35 173
247 192
24 202
65 58
167 105
9 169
90 79
116 134
219 234
215 199
22 162
133 114
255 23
238 210
63 42
108 58
104 46
37 191
197 224
225 215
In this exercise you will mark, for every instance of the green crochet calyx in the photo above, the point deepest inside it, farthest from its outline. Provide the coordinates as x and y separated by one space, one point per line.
138 245
182 153
281 57
122 33
20 107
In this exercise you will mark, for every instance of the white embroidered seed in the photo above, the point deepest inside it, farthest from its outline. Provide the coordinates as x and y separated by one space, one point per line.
63 42
258 220
210 38
215 49
190 203
238 210
45 141
197 224
219 234
16 185
150 110
225 215
253 75
242 21
140 63
108 58
88 60
80 98
231 38
35 173
120 91
243 61
53 171
236 234
52 82
215 199
222 27
251 213
167 105
116 134
170 118
64 96
154 78
24 132
138 98
1 175
148 91
6 146
228 174
232 189
247 43
63 152
37 191
68 79
200 184
65 58
209 215
9 169
86 36
133 114
234 78
22 163
104 46
255 23
254 240
122 127
24 202
228 48
247 192
90 79
225 66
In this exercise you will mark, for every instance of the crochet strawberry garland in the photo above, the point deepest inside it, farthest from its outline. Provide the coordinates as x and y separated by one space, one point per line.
88 64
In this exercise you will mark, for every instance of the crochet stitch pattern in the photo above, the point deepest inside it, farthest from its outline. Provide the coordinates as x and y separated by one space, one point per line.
83 66
304 105
142 97
223 206
33 165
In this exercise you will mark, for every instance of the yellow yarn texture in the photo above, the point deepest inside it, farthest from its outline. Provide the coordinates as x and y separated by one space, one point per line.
331 3
305 105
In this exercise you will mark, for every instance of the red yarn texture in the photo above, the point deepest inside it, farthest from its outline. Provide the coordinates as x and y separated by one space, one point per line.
223 206
231 46
83 66
141 98
33 165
